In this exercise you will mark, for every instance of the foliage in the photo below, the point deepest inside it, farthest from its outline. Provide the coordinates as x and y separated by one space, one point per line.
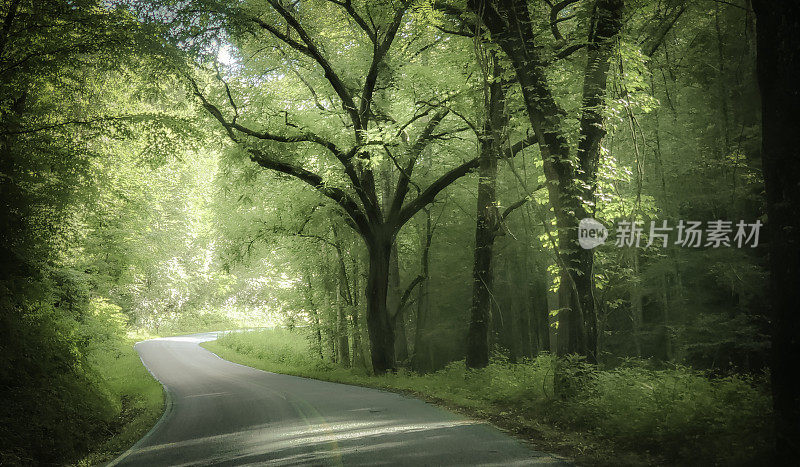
126 207
71 387
677 414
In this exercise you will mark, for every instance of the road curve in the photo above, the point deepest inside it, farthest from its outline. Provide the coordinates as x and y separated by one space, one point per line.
223 413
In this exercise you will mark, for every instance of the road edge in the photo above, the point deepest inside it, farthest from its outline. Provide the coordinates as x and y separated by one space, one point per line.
435 402
168 406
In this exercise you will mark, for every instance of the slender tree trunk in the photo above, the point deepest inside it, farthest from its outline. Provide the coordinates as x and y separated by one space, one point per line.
488 219
343 345
315 316
485 230
482 277
636 303
665 210
393 303
722 85
358 352
666 329
779 75
524 322
420 360
537 285
343 298
328 315
541 314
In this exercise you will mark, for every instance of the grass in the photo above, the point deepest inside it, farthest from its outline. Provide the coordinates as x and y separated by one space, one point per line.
631 415
137 400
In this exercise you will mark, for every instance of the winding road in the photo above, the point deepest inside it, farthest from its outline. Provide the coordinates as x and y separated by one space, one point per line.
223 413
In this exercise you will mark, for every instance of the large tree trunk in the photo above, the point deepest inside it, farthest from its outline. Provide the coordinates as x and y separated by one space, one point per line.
482 277
778 24
485 228
379 325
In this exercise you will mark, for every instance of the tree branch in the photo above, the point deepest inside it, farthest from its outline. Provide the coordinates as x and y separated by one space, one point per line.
338 195
348 7
554 19
651 45
567 51
406 294
309 48
507 212
378 54
414 153
427 196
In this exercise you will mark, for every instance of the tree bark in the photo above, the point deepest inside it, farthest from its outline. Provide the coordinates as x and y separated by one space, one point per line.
421 360
379 325
778 24
485 228
482 277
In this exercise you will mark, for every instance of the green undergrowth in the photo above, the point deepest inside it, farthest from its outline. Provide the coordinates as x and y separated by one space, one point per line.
136 397
630 415
73 391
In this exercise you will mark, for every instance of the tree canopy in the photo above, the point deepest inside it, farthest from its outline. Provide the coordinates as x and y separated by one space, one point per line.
404 181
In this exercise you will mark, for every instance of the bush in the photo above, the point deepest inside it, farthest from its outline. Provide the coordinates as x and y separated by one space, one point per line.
69 381
680 412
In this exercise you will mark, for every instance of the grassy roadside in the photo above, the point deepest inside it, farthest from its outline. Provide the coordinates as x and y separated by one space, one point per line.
137 401
626 416
136 397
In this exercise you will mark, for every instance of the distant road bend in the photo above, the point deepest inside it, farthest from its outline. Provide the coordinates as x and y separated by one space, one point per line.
222 413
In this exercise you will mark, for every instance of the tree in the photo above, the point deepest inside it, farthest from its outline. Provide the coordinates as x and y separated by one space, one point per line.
376 30
571 180
778 75
487 221
493 138
58 111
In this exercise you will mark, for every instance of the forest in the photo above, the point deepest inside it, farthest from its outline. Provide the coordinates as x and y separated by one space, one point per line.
574 219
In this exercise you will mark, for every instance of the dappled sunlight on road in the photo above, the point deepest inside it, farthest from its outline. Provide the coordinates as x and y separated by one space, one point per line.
222 413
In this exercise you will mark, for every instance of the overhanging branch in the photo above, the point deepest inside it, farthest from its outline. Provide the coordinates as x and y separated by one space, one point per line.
338 195
416 149
427 196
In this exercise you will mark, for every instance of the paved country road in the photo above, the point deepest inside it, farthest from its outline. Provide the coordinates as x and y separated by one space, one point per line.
223 413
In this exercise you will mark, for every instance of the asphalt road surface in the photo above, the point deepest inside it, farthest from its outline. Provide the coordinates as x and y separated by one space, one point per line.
223 413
